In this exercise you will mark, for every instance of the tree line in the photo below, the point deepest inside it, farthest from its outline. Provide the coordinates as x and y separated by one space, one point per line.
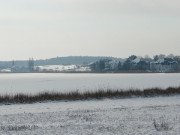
159 63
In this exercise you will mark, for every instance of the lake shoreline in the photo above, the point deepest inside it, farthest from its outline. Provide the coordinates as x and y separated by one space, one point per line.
88 95
88 72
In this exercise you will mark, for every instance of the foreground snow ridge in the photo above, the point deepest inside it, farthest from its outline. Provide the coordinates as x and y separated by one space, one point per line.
100 94
135 116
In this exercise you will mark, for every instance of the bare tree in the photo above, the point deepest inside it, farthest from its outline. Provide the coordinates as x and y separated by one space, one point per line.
13 63
31 64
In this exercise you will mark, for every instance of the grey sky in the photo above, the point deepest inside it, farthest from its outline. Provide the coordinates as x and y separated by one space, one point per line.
50 28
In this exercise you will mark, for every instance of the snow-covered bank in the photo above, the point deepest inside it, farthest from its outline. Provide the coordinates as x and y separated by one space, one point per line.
107 117
63 68
87 95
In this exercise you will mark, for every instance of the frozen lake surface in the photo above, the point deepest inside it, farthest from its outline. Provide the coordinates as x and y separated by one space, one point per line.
39 82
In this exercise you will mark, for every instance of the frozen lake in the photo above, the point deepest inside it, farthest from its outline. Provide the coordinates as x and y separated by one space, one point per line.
39 82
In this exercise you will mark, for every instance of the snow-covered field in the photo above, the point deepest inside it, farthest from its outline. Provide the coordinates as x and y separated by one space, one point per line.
133 116
60 68
39 82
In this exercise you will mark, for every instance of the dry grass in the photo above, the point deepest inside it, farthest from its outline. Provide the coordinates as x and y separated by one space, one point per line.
162 125
47 96
18 127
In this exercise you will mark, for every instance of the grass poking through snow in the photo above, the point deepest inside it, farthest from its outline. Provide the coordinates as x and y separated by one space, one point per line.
48 96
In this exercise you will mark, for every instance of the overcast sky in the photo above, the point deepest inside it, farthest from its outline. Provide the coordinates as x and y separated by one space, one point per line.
50 28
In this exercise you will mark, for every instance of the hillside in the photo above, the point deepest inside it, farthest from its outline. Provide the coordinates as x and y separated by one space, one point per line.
69 60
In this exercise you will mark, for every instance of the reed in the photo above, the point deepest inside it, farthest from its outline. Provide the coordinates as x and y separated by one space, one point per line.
100 94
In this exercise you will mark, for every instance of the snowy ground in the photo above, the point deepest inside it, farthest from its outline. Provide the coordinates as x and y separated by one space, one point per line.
133 116
61 68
